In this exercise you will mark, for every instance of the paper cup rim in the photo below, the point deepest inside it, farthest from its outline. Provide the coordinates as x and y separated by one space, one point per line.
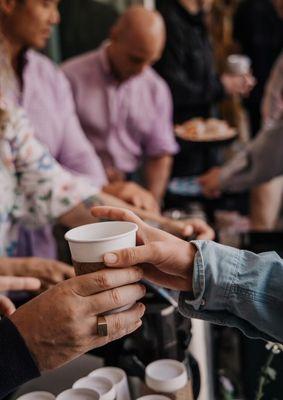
102 370
37 392
72 240
153 397
111 394
85 390
171 384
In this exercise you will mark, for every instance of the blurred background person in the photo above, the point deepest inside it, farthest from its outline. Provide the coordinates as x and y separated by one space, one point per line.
44 93
265 108
258 30
188 66
124 107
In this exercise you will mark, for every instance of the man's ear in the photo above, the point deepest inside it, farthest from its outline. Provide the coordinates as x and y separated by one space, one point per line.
7 7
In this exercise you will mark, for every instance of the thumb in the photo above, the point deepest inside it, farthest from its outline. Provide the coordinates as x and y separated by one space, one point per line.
132 256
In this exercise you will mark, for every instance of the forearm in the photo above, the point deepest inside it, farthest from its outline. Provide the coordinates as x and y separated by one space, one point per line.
237 289
157 173
16 363
260 162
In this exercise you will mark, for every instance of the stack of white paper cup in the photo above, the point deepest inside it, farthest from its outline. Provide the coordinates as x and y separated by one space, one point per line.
166 376
89 244
37 396
79 394
118 377
100 384
239 64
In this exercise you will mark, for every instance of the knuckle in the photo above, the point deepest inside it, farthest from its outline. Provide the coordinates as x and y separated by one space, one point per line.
116 324
115 295
103 280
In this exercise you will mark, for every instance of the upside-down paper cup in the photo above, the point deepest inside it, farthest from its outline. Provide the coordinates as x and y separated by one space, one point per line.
100 384
166 376
79 394
118 377
37 396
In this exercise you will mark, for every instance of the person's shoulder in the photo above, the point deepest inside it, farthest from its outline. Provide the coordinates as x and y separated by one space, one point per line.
46 69
155 83
78 64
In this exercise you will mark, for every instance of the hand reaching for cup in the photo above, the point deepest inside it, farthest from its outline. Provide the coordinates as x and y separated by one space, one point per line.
48 272
166 260
12 283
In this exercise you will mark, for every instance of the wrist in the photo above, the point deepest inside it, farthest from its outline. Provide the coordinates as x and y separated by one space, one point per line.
191 253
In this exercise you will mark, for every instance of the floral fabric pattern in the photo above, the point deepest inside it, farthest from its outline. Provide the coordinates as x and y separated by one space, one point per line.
35 189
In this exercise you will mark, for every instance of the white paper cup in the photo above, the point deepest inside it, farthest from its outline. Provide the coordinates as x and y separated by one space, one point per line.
102 385
79 394
239 64
154 397
37 396
118 377
166 376
89 243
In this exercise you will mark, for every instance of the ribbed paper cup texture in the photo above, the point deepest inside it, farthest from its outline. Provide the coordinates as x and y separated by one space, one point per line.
102 385
118 377
37 396
79 394
166 376
239 64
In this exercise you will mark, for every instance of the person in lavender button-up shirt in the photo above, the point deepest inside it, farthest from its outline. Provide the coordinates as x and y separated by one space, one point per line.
45 94
124 107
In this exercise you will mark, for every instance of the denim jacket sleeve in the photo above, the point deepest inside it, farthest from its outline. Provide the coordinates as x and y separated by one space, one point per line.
237 288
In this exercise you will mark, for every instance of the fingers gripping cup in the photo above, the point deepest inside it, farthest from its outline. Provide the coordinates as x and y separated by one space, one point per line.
89 243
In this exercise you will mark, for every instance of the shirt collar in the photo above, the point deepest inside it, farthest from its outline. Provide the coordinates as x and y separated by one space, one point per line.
104 60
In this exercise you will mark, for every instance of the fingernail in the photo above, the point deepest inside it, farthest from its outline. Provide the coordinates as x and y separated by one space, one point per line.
110 258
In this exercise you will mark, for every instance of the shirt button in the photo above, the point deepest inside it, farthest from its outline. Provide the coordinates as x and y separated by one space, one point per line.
202 302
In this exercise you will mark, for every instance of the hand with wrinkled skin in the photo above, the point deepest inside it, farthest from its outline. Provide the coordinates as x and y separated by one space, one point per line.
61 324
49 272
166 260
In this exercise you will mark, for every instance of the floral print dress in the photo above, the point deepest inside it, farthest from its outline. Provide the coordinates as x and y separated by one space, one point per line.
34 188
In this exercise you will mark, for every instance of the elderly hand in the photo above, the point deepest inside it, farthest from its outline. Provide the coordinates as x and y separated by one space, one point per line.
12 283
166 260
49 272
133 194
210 182
61 324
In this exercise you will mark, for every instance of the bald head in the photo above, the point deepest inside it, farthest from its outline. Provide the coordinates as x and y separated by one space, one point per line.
139 34
141 25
